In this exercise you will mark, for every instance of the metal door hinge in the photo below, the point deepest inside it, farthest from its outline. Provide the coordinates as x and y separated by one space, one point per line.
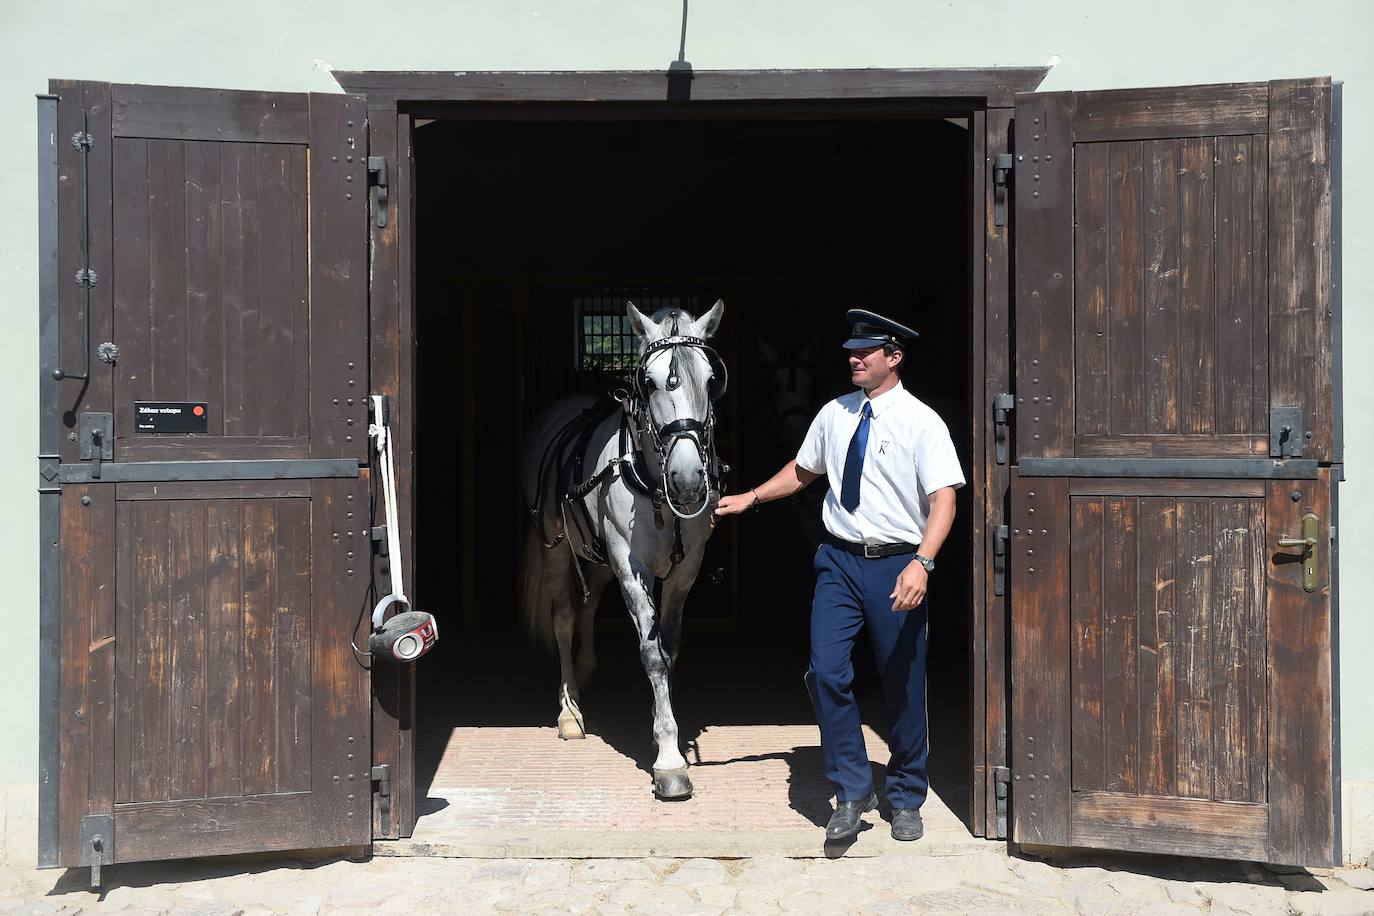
999 559
1001 170
97 844
381 775
377 178
1001 781
1002 406
1286 435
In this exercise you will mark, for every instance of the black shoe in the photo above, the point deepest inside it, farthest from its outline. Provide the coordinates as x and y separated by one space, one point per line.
906 824
846 822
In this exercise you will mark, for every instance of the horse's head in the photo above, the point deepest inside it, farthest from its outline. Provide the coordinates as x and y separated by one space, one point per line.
678 379
791 377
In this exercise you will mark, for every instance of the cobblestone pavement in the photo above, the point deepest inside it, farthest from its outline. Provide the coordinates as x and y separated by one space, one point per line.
889 884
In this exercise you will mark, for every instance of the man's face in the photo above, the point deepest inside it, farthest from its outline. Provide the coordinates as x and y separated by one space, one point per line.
869 367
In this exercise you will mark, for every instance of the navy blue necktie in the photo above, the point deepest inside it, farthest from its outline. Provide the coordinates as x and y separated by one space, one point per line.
854 461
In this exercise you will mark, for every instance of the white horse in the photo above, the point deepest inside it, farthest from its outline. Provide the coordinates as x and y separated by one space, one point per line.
625 489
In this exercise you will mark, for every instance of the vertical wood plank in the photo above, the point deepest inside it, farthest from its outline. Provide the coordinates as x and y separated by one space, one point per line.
1193 564
1258 284
1230 592
187 683
131 282
1300 366
300 291
340 685
1197 327
1156 607
292 624
1235 173
1162 282
71 306
1086 600
126 655
1125 253
1256 651
978 199
1040 640
151 548
260 648
1301 803
239 216
1120 719
224 647
204 281
1092 289
339 277
276 290
1045 277
167 269
87 561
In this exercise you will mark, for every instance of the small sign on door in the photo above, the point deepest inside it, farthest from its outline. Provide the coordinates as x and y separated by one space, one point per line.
171 417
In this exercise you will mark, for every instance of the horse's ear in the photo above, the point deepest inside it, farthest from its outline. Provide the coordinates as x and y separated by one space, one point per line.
706 325
642 325
770 356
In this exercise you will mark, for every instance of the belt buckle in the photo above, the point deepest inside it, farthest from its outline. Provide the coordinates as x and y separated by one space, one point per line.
873 551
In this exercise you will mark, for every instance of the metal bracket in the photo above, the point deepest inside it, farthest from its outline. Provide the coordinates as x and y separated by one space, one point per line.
377 177
1286 436
1001 170
97 844
378 535
97 439
999 560
1001 780
381 775
1002 406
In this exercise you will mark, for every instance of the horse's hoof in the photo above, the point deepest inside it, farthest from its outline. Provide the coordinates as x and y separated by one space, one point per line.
672 784
570 726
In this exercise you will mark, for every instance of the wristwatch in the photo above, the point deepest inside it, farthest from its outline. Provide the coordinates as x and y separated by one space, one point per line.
927 562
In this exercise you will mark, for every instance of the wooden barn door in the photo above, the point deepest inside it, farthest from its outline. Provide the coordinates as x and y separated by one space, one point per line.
1172 656
213 573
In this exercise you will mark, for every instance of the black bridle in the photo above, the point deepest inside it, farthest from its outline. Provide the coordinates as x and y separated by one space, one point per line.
665 437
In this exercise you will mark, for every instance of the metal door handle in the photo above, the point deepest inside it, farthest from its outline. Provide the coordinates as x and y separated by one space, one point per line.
1308 543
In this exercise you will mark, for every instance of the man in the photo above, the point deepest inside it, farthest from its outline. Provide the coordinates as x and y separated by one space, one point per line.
893 472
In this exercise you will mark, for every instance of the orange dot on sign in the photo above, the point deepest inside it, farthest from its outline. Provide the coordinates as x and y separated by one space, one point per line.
198 410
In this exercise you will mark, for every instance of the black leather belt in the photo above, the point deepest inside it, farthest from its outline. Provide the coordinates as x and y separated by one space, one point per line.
870 551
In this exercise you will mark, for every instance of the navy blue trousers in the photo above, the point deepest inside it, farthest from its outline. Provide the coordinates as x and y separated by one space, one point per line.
851 596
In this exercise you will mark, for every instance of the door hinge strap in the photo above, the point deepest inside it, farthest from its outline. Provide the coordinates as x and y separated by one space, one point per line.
1001 170
999 560
1002 406
1001 780
377 178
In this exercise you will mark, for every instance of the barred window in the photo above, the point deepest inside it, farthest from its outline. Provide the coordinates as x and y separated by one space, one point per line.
604 338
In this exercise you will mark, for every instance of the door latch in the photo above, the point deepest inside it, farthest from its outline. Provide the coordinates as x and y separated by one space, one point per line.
1001 169
1002 405
1286 436
1001 781
377 178
97 439
1308 542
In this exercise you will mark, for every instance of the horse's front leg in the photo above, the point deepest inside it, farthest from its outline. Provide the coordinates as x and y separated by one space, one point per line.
673 597
670 767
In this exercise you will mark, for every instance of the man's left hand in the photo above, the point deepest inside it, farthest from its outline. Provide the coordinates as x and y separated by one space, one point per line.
911 587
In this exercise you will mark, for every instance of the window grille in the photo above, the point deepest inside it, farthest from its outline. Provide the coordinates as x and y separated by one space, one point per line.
605 341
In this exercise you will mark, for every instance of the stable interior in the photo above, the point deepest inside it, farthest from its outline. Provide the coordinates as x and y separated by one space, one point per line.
530 236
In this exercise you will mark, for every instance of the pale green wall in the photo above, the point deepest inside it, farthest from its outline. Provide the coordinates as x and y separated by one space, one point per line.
289 44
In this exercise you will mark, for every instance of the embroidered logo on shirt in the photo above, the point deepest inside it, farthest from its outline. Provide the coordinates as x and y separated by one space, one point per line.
882 446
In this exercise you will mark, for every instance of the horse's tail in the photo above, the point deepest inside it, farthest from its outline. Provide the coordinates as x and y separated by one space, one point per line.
536 605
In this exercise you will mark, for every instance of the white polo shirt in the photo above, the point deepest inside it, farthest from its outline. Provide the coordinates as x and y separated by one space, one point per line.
909 456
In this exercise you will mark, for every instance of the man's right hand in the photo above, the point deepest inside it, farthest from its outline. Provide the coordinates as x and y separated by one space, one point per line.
734 504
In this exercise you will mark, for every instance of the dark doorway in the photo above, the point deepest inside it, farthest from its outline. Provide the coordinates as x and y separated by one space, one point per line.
530 235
